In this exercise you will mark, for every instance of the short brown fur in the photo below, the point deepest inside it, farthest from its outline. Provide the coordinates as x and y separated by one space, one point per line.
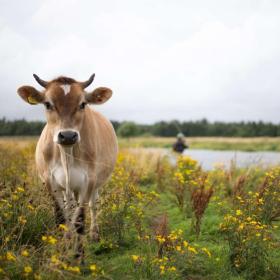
95 153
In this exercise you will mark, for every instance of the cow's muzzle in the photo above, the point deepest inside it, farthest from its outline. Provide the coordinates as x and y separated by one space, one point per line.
67 137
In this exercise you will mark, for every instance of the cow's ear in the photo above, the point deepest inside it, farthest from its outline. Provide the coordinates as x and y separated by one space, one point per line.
30 95
99 95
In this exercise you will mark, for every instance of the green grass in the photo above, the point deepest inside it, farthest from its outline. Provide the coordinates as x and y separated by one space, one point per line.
119 261
116 261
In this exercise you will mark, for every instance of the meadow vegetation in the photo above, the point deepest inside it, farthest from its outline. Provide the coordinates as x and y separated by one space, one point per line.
157 221
207 143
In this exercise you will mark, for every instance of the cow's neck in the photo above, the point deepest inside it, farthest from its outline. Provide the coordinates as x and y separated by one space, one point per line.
66 157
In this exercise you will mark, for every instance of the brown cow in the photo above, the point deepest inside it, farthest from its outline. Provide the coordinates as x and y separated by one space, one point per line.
77 149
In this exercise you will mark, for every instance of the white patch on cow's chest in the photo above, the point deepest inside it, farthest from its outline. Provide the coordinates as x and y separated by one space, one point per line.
66 88
78 178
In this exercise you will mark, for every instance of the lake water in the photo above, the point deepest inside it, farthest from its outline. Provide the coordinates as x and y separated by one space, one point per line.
209 159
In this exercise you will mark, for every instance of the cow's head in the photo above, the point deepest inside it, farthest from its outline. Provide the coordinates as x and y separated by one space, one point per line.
66 104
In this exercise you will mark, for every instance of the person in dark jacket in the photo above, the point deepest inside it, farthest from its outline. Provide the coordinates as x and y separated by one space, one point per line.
180 145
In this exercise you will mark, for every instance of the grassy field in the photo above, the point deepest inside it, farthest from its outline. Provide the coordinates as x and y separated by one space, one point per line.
157 222
209 143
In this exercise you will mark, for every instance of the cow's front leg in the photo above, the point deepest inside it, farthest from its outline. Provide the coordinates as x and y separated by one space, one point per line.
58 212
79 218
58 199
69 206
79 225
94 204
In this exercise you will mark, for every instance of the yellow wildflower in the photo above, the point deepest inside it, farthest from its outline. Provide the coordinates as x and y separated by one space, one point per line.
179 248
192 249
172 268
22 220
27 269
75 269
20 189
241 226
261 201
55 260
135 258
30 207
52 240
92 267
10 256
15 197
24 253
63 227
206 251
238 212
37 277
160 239
49 239
139 195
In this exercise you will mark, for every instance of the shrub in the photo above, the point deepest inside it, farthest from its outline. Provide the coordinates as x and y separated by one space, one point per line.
200 197
184 179
249 239
123 204
269 196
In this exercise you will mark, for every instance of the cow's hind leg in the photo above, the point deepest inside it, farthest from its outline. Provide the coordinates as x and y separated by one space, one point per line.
94 204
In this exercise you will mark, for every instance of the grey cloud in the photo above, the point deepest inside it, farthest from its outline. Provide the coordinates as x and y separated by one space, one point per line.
163 60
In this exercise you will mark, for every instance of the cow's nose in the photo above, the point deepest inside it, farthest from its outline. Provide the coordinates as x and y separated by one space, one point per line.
67 137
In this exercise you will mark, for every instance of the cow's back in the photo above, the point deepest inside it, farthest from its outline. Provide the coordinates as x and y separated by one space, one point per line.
101 144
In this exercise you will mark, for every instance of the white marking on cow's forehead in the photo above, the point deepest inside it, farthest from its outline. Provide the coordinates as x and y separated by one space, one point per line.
66 88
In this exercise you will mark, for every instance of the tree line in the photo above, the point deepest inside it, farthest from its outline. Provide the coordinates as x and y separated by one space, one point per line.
162 128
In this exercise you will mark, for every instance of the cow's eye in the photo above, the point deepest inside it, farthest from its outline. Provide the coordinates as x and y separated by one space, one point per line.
82 106
48 105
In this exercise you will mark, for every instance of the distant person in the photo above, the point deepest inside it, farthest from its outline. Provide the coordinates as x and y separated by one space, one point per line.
180 145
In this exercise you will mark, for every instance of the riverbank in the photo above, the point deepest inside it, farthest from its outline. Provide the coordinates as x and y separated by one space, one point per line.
206 143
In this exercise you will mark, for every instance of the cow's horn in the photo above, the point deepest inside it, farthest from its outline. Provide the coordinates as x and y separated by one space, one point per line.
40 81
88 82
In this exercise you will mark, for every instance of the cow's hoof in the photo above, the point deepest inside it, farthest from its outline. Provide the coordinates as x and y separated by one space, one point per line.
68 235
80 257
94 235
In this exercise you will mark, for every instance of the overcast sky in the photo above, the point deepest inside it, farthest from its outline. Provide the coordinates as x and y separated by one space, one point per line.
164 60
